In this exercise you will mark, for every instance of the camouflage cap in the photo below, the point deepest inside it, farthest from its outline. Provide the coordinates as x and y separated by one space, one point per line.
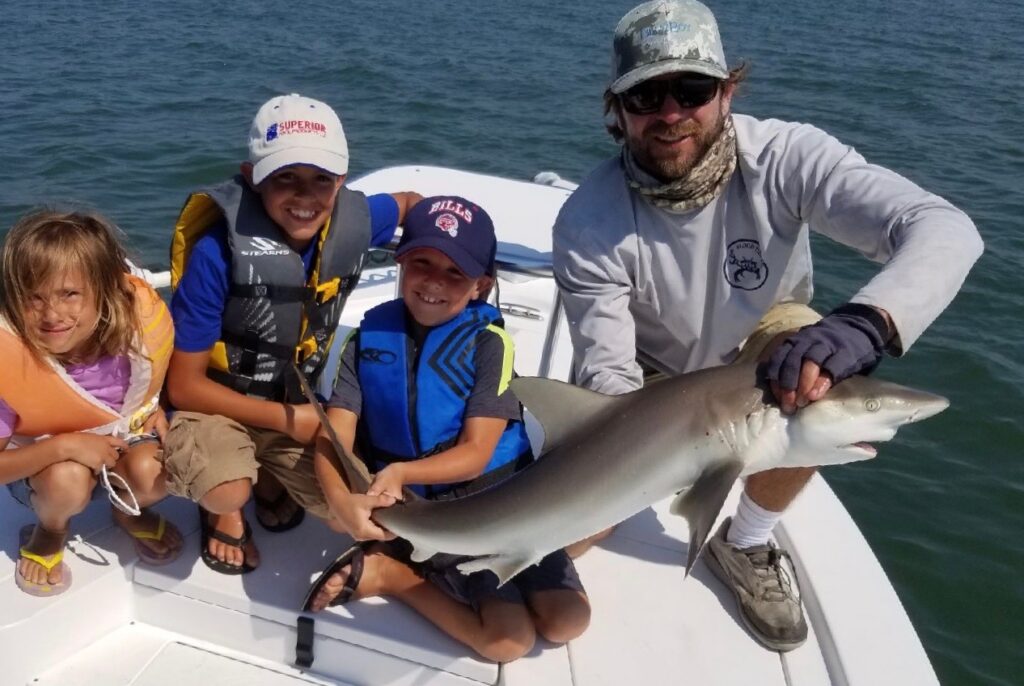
666 36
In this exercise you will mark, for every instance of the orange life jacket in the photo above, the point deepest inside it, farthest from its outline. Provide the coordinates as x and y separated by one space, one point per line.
48 402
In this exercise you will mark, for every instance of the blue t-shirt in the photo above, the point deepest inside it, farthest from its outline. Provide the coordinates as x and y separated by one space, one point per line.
198 303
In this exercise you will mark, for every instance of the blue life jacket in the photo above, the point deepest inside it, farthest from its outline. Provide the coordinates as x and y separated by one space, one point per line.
414 401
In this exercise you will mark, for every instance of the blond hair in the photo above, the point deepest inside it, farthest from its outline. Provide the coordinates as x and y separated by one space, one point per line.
48 244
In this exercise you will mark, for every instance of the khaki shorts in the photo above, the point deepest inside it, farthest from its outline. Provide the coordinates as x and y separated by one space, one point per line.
202 451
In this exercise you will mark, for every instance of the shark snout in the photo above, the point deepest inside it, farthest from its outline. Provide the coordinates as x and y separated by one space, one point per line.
923 404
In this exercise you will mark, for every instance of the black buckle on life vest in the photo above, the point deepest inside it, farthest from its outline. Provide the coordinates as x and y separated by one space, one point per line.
304 642
274 292
250 342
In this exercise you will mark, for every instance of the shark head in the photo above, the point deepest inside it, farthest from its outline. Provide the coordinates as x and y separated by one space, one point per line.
860 410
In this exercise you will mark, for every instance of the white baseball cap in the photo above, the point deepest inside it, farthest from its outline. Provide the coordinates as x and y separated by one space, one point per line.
291 129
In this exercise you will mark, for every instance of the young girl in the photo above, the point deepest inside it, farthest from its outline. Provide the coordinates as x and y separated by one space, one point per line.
84 346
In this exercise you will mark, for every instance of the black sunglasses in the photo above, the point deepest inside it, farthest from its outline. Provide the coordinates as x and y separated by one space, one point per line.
648 97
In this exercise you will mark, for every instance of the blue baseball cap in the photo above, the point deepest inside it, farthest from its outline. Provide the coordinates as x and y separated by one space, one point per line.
457 227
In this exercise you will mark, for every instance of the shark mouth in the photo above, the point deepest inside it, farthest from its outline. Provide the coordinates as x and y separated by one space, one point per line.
862 448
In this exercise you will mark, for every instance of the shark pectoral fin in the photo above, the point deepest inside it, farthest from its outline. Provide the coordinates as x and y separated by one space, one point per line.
504 566
561 408
703 501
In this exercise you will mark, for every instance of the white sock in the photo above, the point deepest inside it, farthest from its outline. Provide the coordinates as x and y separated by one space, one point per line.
752 524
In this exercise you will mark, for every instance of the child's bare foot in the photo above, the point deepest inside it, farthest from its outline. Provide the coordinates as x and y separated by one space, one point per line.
228 542
157 541
47 545
364 574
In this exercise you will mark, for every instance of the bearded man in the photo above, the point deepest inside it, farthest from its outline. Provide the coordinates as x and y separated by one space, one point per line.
690 249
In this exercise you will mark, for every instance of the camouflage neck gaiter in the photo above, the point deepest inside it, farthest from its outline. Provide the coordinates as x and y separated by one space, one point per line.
699 187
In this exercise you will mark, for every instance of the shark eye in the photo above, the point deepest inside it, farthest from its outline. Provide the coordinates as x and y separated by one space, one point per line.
872 405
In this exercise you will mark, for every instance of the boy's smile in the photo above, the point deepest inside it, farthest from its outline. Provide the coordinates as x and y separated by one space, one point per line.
434 289
299 199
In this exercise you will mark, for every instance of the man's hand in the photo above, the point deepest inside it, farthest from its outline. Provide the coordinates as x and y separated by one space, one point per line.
849 340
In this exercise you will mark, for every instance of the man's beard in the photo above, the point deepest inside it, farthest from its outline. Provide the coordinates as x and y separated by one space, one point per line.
675 167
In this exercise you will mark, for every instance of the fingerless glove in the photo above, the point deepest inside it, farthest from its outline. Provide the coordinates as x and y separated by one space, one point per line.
849 340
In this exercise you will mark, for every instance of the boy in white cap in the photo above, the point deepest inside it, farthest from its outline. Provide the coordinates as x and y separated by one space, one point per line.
261 268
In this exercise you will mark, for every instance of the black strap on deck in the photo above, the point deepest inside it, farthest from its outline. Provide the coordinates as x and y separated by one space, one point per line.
304 643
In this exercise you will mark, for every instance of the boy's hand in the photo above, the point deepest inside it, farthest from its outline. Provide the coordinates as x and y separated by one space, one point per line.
354 513
90 450
301 422
388 481
156 423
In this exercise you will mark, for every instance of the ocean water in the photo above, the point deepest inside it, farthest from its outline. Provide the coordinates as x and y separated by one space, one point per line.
127 106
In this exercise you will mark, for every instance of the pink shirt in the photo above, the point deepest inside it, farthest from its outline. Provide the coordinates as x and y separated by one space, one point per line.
106 379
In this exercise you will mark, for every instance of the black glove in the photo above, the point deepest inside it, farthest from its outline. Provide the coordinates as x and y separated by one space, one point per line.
848 340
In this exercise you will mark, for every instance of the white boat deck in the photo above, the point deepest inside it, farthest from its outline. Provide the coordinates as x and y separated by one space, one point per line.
125 623
122 620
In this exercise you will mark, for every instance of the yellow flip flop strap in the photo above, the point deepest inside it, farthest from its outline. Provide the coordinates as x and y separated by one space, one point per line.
157 535
47 563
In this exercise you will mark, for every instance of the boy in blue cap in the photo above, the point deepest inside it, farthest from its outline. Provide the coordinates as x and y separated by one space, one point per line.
443 431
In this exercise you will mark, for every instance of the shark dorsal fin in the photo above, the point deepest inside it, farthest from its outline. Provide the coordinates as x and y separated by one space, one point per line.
561 408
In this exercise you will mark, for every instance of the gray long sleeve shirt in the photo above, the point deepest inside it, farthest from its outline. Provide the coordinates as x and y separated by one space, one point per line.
683 290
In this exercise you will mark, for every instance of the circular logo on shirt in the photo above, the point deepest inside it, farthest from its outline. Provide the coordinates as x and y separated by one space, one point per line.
744 267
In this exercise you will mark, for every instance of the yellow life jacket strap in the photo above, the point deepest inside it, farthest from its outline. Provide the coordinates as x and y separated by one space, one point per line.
139 417
198 215
507 356
305 349
327 291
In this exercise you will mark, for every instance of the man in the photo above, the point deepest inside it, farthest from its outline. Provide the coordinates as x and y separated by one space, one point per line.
690 249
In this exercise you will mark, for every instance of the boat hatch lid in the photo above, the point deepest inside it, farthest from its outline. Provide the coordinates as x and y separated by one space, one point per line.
273 592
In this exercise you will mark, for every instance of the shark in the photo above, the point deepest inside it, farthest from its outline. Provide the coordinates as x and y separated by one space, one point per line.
605 458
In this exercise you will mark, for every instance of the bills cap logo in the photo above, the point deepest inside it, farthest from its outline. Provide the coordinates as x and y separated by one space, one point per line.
271 132
449 224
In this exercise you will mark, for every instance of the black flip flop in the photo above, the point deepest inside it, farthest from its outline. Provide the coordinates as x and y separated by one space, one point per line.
354 557
273 505
212 562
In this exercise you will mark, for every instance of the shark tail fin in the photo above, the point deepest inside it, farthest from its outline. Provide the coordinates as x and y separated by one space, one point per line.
702 502
561 408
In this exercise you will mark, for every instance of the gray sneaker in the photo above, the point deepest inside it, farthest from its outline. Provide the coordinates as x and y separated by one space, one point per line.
768 596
